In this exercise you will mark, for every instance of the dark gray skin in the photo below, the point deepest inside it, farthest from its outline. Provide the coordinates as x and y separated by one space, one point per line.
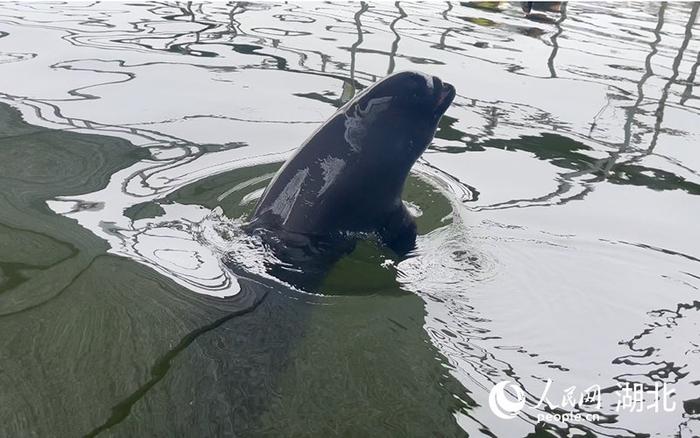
349 175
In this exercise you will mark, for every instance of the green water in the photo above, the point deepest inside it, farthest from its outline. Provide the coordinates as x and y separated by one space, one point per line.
138 345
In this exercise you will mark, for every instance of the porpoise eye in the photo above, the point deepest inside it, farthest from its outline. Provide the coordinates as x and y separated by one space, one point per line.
413 90
410 90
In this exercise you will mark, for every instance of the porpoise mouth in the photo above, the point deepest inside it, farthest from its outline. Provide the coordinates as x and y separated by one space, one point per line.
444 94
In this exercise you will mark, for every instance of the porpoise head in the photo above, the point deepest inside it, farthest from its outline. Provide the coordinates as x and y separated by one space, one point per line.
394 120
347 178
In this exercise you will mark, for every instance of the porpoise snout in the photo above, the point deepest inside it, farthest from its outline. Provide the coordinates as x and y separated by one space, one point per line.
444 93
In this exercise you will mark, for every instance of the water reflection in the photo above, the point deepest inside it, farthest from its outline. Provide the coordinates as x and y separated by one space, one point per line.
659 113
555 42
148 130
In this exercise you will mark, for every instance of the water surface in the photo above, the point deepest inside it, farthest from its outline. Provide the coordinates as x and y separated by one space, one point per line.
557 208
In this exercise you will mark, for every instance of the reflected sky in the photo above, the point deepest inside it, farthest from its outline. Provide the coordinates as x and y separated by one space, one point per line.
569 158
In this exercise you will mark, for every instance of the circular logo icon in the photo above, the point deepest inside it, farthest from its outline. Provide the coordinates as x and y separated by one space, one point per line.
500 402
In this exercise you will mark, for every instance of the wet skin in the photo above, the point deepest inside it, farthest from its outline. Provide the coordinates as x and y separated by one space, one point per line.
348 176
